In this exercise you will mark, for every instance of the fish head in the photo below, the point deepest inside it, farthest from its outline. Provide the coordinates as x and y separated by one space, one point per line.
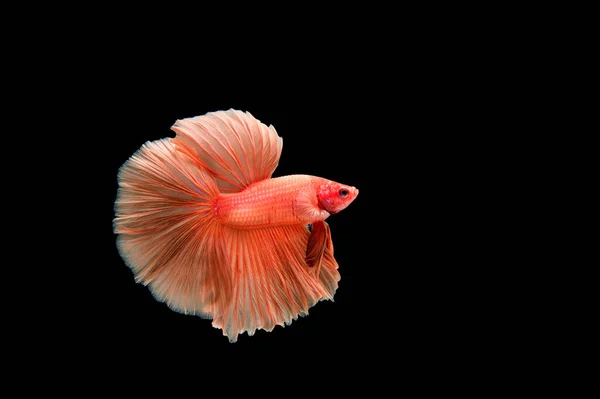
334 197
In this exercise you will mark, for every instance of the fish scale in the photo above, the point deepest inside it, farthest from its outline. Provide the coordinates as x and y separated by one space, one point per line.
266 203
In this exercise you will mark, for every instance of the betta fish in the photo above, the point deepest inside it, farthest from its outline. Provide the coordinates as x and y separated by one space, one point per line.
201 223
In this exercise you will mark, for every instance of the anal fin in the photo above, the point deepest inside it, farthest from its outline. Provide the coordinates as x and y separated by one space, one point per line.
272 283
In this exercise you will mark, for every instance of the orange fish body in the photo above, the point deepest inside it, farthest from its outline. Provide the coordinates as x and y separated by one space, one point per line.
279 201
201 222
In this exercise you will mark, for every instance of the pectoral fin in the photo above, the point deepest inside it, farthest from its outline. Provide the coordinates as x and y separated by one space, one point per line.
319 240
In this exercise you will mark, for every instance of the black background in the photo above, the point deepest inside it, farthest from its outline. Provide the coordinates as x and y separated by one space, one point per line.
410 247
400 291
420 112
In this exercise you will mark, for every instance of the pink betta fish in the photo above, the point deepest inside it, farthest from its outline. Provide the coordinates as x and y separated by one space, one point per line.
201 222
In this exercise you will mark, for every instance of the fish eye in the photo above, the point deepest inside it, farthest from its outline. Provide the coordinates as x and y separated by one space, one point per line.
343 192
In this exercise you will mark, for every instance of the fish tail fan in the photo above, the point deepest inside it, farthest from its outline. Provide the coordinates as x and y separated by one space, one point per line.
232 145
273 283
167 232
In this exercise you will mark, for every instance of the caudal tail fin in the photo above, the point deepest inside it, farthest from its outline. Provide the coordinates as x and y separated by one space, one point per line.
166 230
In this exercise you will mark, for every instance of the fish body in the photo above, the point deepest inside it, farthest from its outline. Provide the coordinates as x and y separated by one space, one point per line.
278 201
202 223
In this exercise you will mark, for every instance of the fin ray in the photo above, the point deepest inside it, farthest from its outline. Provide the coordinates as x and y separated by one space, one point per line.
232 145
273 285
166 230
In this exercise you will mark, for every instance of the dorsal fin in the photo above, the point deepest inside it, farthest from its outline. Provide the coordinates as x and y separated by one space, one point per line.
232 145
